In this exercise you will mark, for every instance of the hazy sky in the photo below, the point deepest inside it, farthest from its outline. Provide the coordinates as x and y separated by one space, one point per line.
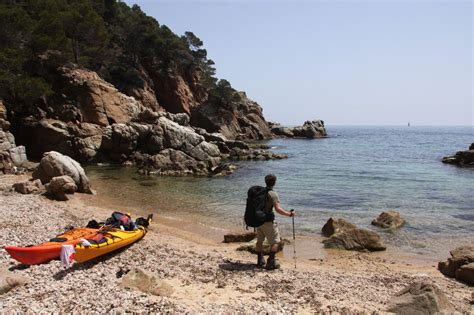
346 62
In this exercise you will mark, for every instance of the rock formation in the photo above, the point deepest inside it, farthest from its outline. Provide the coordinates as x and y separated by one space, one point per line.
389 220
336 226
460 265
94 122
355 239
242 120
55 164
421 297
461 158
310 130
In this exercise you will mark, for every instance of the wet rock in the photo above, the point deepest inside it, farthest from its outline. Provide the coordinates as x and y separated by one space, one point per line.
461 158
355 239
29 187
460 257
55 164
223 169
61 187
389 220
147 282
336 226
465 273
421 297
9 281
240 237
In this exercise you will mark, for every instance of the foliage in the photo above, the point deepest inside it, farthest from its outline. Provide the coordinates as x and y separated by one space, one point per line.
106 36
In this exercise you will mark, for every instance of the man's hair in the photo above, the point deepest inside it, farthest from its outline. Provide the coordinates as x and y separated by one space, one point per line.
270 180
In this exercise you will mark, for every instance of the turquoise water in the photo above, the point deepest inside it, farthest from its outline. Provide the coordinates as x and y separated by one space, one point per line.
355 174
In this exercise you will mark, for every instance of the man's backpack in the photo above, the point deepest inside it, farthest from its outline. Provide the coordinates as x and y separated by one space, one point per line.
255 214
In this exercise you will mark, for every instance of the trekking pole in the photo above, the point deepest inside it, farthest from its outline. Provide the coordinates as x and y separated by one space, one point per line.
294 238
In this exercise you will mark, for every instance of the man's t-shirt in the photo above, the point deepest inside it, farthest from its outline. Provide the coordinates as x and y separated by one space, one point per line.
272 198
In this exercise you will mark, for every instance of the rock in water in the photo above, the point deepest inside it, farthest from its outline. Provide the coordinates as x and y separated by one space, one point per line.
389 220
461 158
420 298
55 164
61 186
310 129
146 282
460 257
336 226
242 237
355 239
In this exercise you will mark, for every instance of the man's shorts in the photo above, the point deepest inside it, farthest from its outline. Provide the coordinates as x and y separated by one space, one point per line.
268 230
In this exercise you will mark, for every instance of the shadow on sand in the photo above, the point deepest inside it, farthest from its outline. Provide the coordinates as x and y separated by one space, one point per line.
238 266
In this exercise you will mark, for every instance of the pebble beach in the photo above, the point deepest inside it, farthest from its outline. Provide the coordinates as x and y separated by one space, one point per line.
200 275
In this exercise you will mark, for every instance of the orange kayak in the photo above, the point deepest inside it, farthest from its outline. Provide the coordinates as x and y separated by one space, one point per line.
41 253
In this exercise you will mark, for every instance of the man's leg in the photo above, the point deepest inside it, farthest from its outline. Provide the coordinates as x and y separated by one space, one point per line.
273 237
258 247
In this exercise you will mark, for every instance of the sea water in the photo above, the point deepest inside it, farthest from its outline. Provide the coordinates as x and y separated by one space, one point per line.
355 174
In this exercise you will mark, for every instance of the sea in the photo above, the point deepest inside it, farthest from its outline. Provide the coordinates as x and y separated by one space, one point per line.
355 174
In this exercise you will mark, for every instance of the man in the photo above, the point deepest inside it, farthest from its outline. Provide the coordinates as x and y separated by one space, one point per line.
269 229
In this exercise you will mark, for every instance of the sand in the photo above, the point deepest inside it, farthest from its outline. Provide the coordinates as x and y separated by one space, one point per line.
206 276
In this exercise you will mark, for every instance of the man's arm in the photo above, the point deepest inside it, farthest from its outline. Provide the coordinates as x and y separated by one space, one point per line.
282 211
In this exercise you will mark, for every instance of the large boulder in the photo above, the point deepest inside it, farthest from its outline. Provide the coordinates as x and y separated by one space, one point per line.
460 257
146 282
355 239
336 226
389 220
420 298
61 187
55 164
29 187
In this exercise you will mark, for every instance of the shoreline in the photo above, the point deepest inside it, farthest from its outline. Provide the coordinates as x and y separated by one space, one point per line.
206 276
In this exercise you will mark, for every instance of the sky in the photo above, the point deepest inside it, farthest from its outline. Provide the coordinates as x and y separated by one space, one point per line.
346 62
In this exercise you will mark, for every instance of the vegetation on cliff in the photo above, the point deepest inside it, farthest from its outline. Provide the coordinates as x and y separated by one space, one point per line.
118 42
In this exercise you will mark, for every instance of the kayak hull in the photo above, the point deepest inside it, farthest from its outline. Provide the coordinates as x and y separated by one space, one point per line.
45 252
116 239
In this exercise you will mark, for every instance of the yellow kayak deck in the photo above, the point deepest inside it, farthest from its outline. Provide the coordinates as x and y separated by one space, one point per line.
114 239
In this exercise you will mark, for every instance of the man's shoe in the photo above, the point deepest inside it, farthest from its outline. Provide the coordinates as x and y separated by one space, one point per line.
272 263
260 261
